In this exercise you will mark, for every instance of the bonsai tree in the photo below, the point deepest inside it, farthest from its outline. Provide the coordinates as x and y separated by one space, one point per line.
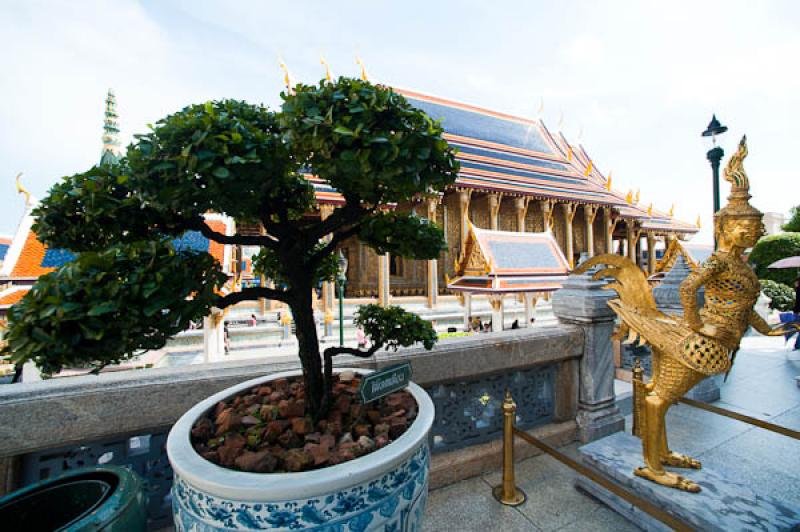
133 284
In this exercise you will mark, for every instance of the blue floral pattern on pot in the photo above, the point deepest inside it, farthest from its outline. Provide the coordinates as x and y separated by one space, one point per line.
394 502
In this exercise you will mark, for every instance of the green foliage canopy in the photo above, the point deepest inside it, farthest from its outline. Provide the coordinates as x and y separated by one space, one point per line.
782 296
772 248
103 308
130 290
793 225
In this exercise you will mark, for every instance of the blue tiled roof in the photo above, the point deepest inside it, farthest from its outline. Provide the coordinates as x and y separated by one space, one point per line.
523 255
55 258
484 127
191 240
521 159
3 250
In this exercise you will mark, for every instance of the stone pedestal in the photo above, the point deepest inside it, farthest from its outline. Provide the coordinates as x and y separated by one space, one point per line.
583 302
724 504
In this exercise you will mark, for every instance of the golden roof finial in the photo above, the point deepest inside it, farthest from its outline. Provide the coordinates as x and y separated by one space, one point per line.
697 223
588 170
569 153
360 63
672 211
629 196
328 76
636 198
650 210
287 80
22 190
608 181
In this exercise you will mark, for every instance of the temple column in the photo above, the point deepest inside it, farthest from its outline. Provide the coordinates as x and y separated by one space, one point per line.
432 284
213 337
521 205
383 280
464 197
547 215
493 204
589 213
466 300
496 301
569 215
610 225
651 253
631 241
328 287
530 302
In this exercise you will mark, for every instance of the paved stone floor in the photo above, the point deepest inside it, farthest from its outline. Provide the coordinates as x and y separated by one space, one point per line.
760 385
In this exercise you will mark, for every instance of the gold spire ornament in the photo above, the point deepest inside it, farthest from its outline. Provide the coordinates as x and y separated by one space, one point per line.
629 197
697 223
287 80
650 210
672 211
360 63
22 190
588 170
608 181
636 198
328 76
569 153
687 349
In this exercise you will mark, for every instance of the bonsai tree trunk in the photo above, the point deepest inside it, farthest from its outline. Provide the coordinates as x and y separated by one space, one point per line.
308 345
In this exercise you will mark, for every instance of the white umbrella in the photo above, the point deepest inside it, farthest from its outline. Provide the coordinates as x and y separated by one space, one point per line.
788 262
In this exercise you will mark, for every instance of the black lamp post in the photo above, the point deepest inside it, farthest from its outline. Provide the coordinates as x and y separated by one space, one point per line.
341 279
714 156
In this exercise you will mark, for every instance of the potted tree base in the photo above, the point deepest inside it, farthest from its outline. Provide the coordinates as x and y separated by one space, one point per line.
383 490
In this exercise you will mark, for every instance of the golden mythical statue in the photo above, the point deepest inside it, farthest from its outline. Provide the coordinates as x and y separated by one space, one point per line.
700 344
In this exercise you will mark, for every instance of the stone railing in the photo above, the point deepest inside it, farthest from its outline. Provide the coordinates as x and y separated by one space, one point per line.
561 377
123 418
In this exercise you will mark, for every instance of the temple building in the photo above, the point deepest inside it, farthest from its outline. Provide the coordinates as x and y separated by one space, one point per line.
516 177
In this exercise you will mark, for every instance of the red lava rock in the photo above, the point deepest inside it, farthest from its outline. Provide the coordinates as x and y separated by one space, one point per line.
231 448
355 411
276 397
335 416
382 428
257 462
297 460
227 421
290 440
397 426
253 409
327 440
211 456
341 455
381 440
249 399
219 408
264 391
343 403
335 428
281 385
320 454
366 443
313 437
291 408
374 416
399 413
268 412
322 424
361 430
237 401
275 429
250 420
203 430
302 426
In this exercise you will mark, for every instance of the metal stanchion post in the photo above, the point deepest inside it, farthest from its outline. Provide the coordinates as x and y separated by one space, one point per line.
507 492
638 396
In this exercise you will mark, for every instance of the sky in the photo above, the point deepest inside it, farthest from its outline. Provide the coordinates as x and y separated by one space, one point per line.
636 81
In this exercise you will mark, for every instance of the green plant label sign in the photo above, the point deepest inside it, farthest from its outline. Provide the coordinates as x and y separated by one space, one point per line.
382 383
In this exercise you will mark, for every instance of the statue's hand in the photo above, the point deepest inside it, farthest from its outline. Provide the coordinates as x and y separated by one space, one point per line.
784 328
718 333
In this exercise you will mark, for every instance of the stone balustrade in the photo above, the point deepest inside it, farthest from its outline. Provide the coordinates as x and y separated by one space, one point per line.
123 418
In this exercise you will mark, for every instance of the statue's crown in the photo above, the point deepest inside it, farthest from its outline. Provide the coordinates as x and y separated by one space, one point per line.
738 201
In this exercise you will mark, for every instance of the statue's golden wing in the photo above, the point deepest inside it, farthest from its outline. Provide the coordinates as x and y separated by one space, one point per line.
660 331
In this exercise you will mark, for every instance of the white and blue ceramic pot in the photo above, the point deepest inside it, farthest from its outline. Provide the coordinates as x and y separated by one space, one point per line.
385 490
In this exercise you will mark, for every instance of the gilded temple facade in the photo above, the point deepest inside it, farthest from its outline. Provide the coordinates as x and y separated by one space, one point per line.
515 176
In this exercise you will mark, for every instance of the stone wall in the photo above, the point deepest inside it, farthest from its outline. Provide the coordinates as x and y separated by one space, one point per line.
123 418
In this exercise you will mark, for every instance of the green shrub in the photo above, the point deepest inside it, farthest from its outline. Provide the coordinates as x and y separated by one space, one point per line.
772 248
782 296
